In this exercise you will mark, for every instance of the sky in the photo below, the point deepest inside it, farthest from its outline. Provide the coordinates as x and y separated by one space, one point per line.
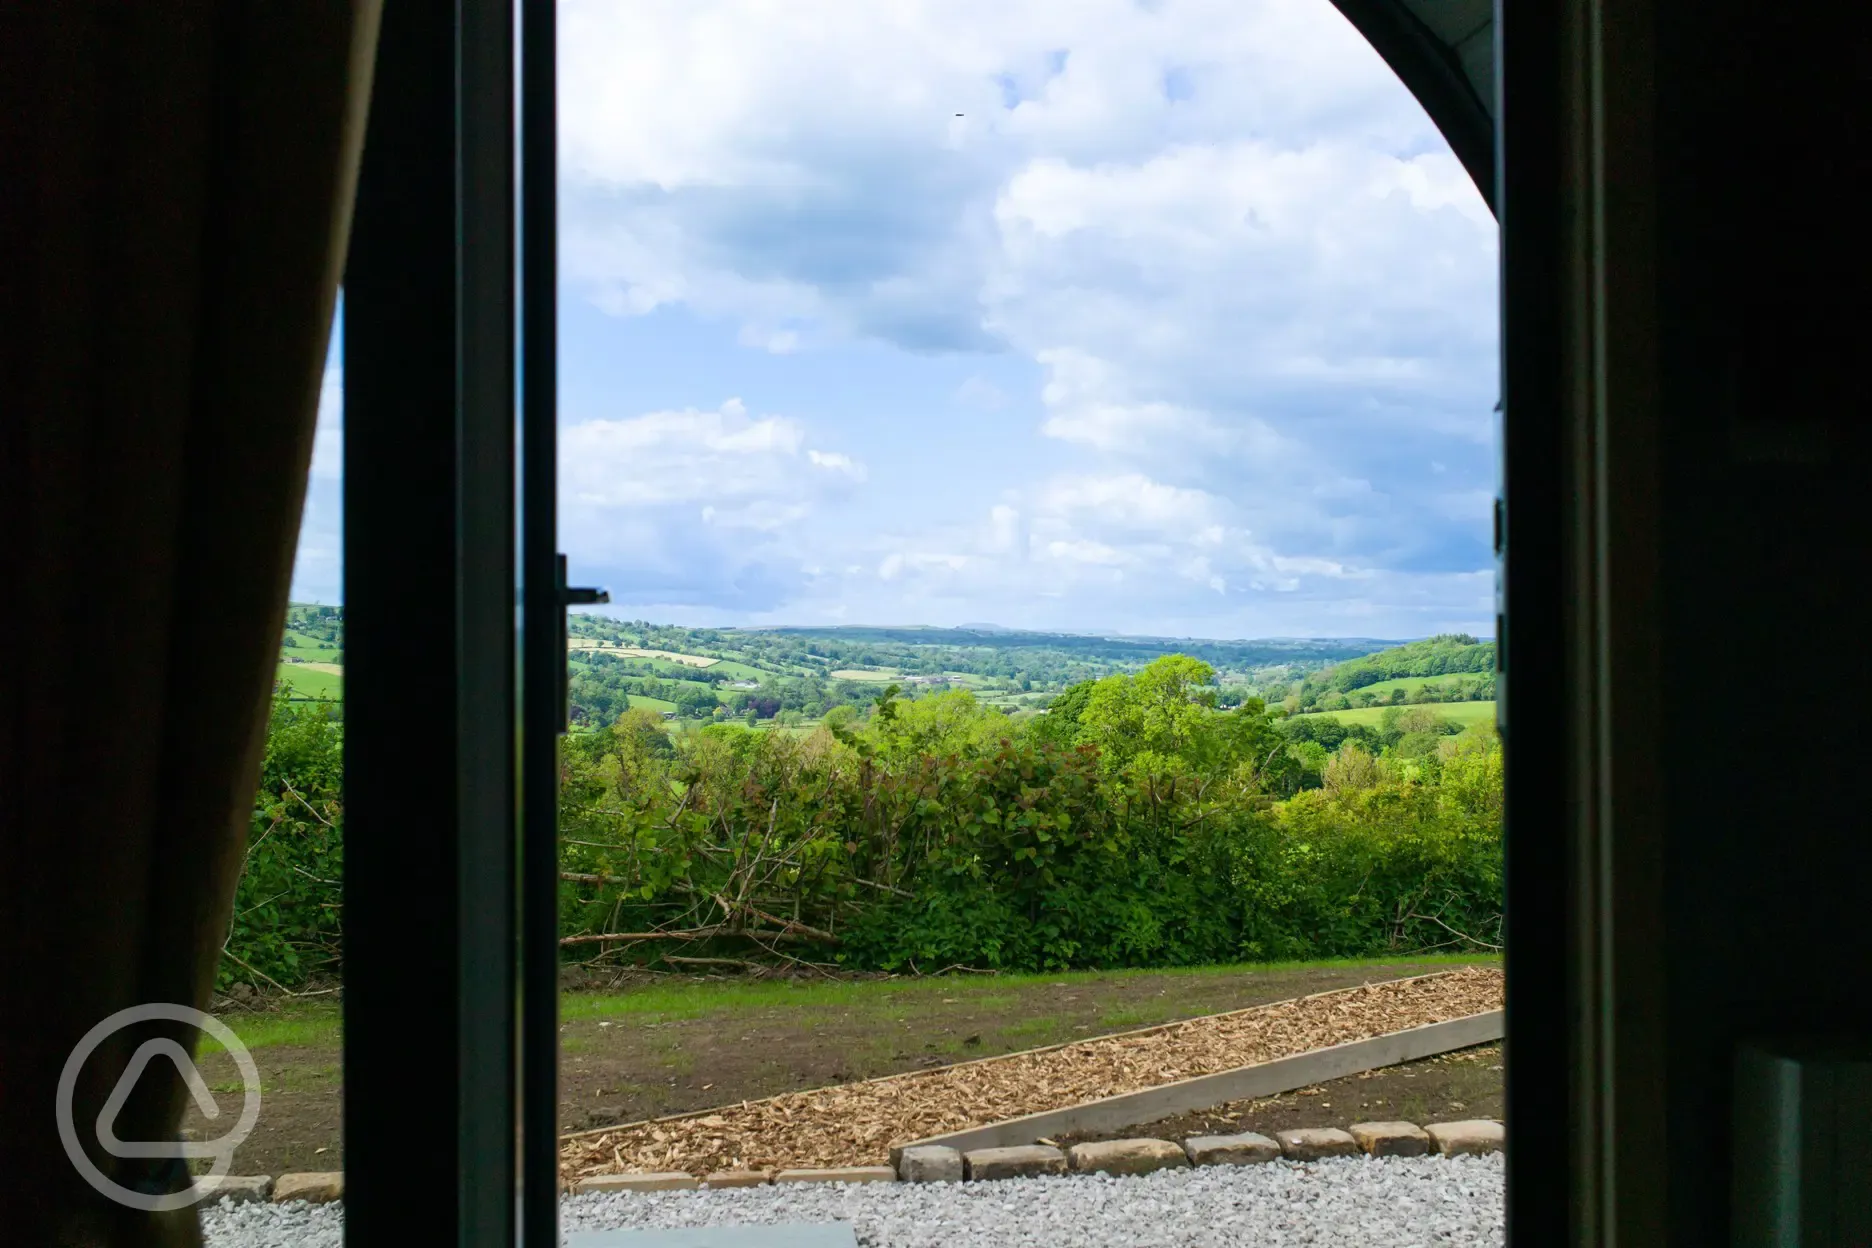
1171 317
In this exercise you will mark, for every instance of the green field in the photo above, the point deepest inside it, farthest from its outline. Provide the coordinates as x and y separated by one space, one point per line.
639 702
1467 714
738 670
307 683
879 675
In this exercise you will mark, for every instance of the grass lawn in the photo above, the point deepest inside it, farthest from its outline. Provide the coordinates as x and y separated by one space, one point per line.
664 1044
309 682
1467 714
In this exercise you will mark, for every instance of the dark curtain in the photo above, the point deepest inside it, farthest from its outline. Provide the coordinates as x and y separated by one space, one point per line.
175 185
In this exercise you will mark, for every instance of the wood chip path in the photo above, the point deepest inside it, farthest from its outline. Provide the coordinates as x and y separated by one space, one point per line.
855 1124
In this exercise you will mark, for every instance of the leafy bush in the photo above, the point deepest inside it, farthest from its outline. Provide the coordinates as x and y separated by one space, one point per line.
287 906
1141 824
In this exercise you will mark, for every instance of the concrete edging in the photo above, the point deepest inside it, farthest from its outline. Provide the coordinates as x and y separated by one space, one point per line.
1243 1083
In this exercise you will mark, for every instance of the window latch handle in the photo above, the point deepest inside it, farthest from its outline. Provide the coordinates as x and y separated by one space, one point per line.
570 596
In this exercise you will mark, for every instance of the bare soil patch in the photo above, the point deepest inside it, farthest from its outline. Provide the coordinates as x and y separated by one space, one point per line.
855 1124
1468 1083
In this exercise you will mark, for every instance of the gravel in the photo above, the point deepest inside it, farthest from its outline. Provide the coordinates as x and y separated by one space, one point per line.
1377 1203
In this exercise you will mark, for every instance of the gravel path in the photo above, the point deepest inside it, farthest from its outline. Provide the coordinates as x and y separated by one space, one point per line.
1389 1203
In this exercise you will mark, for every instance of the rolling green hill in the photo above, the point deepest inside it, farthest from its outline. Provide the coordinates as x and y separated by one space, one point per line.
1448 654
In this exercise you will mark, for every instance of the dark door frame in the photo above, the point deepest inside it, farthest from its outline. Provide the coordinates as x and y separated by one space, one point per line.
434 484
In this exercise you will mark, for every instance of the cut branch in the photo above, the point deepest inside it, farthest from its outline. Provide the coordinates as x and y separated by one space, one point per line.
713 932
1452 931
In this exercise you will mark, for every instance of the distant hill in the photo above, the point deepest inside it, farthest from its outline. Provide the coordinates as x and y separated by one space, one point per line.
1447 654
1448 668
1264 652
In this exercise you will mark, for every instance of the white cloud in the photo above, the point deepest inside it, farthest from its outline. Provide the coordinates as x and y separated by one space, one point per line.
706 504
685 456
1253 281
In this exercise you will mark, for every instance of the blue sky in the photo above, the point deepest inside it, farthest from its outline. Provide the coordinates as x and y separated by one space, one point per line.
1186 325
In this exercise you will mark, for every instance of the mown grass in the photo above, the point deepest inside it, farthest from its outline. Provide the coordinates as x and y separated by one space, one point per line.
303 1024
699 998
319 1023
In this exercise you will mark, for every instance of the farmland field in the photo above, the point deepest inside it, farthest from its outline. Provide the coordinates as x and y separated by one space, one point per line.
635 652
639 702
308 681
737 669
860 673
1467 714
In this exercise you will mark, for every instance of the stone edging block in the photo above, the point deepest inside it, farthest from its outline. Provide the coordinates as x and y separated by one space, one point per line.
1390 1139
1315 1143
738 1178
317 1186
1125 1156
1017 1162
1469 1138
239 1188
930 1163
1246 1149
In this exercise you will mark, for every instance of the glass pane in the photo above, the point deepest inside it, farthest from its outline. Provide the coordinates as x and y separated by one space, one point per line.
1042 457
